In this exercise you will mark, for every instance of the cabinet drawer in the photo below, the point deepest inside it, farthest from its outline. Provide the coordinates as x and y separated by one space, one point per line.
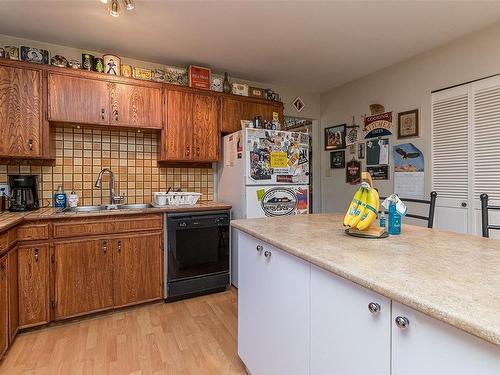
7 239
92 227
33 232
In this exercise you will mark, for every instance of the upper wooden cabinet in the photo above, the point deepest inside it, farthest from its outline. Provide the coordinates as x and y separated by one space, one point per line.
20 112
136 106
191 127
78 100
235 109
84 100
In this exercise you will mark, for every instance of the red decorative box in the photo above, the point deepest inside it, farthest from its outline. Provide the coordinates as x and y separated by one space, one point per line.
199 77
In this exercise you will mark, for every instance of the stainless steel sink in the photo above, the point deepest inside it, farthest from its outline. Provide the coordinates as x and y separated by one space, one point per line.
133 206
109 207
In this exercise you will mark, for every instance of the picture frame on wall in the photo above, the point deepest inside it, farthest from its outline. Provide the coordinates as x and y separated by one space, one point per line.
337 159
335 137
408 126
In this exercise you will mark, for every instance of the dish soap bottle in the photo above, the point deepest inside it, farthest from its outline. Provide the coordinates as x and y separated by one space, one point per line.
394 220
60 198
382 219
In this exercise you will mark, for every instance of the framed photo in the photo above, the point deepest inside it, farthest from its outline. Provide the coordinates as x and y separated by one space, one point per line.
361 150
337 159
408 124
298 104
335 137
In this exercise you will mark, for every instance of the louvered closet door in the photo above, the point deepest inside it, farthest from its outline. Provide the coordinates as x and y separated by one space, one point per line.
486 148
450 158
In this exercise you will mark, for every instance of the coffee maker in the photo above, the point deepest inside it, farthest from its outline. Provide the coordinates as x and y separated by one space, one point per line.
23 193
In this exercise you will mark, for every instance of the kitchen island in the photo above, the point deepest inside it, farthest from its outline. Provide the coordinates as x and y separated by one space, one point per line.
314 300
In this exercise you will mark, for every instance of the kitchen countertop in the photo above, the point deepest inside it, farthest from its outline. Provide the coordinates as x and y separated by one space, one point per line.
452 277
10 219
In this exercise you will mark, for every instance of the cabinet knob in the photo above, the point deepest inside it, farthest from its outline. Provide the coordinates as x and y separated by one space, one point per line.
119 246
464 204
104 246
267 254
259 248
188 151
37 254
402 322
30 144
374 307
102 113
198 151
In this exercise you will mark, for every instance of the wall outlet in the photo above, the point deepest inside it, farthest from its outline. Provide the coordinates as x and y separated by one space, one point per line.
6 189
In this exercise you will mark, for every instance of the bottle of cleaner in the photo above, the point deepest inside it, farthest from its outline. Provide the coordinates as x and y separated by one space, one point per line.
382 219
60 198
73 199
394 220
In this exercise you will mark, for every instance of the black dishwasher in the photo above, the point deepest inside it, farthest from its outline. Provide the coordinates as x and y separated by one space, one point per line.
197 253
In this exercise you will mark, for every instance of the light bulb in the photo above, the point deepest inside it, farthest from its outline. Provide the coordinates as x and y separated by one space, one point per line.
114 8
104 1
129 4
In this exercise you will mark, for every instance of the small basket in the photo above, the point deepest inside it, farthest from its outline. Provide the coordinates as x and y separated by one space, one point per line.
180 198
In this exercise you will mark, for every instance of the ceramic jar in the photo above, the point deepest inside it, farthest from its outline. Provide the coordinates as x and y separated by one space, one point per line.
112 64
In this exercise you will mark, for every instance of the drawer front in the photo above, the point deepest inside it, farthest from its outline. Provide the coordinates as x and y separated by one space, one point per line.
7 239
33 232
92 227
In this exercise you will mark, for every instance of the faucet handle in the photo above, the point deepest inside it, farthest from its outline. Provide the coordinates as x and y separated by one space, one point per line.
119 198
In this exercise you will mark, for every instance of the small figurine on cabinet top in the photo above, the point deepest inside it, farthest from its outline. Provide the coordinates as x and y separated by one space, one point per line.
59 61
98 65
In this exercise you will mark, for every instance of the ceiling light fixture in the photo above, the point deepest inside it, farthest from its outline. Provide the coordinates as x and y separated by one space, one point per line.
114 8
104 1
129 4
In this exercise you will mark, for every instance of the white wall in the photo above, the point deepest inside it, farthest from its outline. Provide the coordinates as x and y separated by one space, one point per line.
402 87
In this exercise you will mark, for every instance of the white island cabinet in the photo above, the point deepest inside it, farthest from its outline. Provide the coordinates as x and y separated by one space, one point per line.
273 309
297 318
350 327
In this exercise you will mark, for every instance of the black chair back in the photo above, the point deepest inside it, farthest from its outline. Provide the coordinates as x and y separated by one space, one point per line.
432 207
485 207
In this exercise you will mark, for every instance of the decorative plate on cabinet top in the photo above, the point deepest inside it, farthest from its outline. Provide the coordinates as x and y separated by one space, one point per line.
34 55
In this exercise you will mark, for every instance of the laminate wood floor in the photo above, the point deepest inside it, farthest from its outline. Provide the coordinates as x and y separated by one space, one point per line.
195 336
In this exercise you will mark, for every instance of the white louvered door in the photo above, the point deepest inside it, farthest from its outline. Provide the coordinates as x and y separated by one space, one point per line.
466 154
450 160
486 149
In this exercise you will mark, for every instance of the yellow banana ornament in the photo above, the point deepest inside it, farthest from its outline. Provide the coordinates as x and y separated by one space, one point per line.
371 211
356 200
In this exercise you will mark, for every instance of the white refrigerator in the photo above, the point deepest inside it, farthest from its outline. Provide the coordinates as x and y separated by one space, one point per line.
263 173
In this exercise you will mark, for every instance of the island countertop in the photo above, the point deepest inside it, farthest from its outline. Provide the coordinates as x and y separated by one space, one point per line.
449 276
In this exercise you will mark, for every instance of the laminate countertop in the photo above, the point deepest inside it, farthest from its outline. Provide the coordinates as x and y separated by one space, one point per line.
10 219
449 276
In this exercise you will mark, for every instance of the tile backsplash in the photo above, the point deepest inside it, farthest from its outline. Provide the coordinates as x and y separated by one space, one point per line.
132 156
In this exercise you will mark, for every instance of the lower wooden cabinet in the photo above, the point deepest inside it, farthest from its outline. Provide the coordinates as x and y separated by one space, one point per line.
100 274
4 310
33 277
12 266
83 277
137 269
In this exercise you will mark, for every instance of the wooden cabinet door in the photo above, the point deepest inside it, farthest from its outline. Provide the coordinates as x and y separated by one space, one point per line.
178 128
4 310
33 277
137 269
136 106
231 115
429 346
20 112
83 277
206 136
346 336
78 100
12 265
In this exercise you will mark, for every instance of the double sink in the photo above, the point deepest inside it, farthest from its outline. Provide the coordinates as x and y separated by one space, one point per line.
107 207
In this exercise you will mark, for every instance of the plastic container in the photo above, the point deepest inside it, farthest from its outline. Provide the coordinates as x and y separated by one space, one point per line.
183 198
73 199
160 198
394 220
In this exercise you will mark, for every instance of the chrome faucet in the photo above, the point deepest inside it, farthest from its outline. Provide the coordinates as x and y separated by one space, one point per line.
113 197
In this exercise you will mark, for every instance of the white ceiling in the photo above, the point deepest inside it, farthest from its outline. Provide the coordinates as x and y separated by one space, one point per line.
306 44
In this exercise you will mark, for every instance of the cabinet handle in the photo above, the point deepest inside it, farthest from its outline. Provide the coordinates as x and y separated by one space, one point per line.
188 151
402 322
259 248
30 144
374 307
37 254
119 246
102 113
267 254
198 151
104 246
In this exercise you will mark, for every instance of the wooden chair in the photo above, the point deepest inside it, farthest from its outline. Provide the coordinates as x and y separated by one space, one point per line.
485 207
432 205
